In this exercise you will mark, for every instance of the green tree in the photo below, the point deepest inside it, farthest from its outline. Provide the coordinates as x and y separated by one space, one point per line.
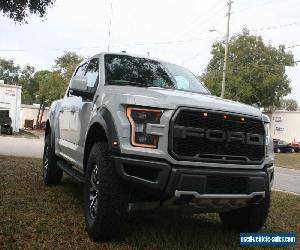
50 88
66 64
289 104
29 85
18 10
9 72
255 74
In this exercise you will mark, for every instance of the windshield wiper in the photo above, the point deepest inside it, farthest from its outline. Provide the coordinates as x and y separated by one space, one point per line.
126 82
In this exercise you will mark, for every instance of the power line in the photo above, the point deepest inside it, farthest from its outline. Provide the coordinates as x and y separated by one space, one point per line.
254 30
276 26
203 21
50 49
194 19
195 56
254 6
293 46
111 45
266 67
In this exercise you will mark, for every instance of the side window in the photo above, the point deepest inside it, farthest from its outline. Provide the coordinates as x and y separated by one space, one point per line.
81 70
92 73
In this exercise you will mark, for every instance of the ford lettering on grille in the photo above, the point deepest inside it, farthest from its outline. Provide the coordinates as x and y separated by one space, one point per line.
215 136
219 135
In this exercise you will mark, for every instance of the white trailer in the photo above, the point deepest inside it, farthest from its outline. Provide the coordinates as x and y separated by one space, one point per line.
10 101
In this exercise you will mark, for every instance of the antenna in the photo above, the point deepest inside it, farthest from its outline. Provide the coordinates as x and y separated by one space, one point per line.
109 25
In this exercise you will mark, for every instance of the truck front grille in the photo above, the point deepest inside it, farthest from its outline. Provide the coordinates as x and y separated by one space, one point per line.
212 136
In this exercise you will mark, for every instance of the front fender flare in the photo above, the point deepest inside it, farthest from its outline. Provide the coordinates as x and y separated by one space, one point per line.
105 119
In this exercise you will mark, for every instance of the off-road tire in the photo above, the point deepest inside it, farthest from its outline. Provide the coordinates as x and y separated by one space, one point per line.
105 220
52 174
247 219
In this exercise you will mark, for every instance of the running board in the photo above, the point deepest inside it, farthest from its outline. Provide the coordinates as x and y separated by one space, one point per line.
70 171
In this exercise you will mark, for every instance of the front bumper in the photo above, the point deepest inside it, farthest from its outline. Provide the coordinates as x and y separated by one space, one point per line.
165 181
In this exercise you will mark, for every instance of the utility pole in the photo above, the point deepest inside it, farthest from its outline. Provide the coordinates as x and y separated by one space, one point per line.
226 49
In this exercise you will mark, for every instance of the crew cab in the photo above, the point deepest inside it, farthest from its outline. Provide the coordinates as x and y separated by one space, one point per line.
143 133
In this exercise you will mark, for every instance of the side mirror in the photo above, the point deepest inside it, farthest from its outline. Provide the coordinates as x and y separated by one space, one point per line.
79 83
79 87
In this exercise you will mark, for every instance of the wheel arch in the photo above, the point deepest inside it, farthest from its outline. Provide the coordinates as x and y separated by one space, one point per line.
102 128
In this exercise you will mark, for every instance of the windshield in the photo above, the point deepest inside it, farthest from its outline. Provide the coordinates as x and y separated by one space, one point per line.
135 71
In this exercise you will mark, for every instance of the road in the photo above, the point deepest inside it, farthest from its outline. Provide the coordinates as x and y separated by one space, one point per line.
285 179
26 147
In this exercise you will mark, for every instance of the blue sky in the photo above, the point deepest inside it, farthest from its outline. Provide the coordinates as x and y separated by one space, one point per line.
174 30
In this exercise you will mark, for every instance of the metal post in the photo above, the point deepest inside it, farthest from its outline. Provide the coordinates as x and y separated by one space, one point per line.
226 50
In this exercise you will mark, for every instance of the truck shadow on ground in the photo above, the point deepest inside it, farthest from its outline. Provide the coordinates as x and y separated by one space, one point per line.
163 226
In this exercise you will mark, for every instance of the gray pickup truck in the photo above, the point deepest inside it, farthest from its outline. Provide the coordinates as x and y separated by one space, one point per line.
143 133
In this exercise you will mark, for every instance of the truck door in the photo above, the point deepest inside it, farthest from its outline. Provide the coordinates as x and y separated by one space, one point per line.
67 125
79 113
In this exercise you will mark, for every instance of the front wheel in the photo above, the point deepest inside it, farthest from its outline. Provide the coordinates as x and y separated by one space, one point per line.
105 198
247 219
52 174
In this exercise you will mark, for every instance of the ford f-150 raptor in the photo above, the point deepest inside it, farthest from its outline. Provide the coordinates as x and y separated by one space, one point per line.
140 133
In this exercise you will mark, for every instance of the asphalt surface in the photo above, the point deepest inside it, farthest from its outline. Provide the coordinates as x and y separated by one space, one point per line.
26 147
285 179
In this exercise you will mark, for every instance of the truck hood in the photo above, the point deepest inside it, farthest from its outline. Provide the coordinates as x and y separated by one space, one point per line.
172 99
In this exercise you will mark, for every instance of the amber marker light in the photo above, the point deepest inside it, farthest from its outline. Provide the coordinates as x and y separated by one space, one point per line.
242 119
205 114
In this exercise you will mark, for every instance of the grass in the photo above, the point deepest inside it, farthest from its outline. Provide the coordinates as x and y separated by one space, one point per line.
33 216
287 160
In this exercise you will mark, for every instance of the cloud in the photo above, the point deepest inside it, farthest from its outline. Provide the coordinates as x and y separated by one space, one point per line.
139 26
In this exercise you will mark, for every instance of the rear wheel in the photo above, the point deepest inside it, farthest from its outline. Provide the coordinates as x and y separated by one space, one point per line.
292 150
105 198
247 219
52 174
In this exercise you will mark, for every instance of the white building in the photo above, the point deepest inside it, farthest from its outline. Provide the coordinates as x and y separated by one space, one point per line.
285 125
10 102
30 112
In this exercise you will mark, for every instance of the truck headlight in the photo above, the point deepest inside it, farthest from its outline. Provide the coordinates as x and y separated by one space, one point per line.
138 118
267 133
269 142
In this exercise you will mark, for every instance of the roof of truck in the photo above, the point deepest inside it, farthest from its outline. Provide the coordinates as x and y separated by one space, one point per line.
133 55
